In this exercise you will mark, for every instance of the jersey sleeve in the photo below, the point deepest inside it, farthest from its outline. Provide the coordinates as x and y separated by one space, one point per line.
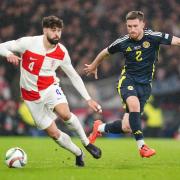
115 46
162 38
74 76
19 45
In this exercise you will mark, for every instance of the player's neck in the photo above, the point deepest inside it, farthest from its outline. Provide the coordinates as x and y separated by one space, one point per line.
140 36
47 45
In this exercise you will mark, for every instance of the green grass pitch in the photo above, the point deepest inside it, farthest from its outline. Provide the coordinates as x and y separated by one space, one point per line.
120 160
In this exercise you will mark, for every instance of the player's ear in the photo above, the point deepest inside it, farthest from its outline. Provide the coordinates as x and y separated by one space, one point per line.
44 30
143 24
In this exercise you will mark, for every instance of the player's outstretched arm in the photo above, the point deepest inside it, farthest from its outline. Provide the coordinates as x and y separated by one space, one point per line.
79 85
175 41
92 68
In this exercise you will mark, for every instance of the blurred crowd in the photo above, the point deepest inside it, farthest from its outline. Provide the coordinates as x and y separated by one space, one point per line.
89 26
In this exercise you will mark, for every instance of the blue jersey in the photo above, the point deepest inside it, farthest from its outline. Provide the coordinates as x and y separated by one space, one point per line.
140 56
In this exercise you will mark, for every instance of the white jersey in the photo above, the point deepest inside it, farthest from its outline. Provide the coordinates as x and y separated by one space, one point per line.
38 66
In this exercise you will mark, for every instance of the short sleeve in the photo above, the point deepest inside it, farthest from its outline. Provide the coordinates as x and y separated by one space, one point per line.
115 47
166 39
161 37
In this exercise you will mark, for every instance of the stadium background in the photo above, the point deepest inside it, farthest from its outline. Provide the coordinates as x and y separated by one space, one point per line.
89 27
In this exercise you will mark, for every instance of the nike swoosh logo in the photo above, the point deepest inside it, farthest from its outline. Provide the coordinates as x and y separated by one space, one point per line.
33 59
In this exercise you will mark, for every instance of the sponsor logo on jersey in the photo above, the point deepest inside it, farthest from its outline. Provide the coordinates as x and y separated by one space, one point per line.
146 44
137 47
130 88
33 59
128 49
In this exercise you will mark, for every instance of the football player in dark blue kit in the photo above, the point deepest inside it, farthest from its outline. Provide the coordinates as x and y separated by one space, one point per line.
140 49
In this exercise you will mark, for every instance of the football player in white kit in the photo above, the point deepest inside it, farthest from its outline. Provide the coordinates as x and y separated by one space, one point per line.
40 57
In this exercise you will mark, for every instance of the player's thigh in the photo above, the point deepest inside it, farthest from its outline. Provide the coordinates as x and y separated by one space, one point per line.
63 111
144 93
42 116
133 104
128 93
57 103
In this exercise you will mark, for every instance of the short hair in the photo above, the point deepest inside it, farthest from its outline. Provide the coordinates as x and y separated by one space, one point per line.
135 15
51 22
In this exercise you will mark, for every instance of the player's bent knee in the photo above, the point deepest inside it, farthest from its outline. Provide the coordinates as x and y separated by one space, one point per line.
54 134
66 116
126 129
133 104
134 107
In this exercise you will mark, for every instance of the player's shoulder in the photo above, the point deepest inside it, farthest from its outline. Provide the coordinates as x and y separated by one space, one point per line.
29 39
151 33
62 47
121 39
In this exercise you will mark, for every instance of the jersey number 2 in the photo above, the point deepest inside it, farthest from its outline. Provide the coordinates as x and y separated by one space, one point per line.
138 56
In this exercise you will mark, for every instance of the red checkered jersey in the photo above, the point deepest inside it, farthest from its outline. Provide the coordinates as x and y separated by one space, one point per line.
38 66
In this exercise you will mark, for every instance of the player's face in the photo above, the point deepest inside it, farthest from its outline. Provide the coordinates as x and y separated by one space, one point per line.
135 28
53 35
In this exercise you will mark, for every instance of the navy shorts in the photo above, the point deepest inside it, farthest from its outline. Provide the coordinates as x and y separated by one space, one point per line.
127 87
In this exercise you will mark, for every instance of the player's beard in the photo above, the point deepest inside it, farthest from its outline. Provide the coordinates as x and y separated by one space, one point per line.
134 35
53 41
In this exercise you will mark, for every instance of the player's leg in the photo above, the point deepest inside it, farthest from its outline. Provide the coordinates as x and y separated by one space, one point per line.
144 92
57 103
135 124
63 140
44 120
135 119
127 91
125 123
74 124
71 121
115 127
130 92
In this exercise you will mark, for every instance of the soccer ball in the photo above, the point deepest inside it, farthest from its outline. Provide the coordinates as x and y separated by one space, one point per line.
16 158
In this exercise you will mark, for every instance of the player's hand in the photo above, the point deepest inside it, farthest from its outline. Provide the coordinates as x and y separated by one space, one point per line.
94 105
91 69
13 59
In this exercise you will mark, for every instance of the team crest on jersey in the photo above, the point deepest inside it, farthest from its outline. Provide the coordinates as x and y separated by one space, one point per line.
128 49
146 44
130 88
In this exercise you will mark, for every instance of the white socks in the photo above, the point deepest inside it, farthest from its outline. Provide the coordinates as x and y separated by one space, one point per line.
101 128
65 141
74 124
140 143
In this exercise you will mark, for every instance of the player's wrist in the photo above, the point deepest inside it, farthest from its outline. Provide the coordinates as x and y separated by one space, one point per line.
89 99
8 53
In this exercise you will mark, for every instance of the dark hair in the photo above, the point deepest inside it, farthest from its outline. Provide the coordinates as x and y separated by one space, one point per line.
51 22
135 15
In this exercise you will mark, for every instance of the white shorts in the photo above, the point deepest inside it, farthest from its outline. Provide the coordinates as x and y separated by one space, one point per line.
42 111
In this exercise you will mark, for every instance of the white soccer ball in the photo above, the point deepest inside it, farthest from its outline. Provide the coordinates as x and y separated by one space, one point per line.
16 158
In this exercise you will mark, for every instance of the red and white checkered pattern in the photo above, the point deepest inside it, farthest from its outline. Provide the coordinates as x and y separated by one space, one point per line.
38 66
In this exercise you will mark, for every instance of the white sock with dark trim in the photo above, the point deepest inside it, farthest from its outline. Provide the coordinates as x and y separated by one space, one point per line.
65 141
140 143
101 128
74 124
